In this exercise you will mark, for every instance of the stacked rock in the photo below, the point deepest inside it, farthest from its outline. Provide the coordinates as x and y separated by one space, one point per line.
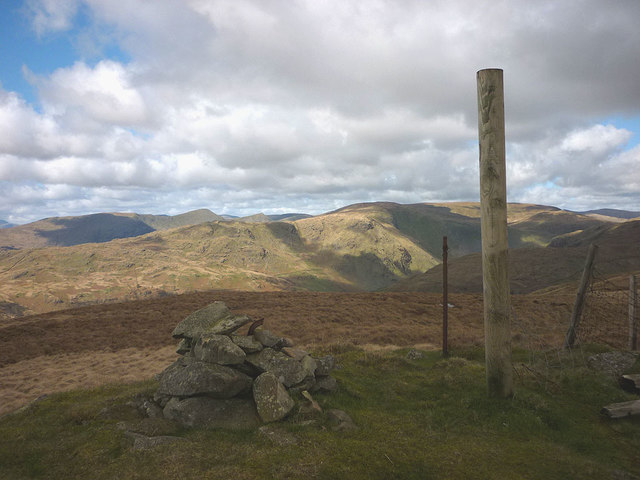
226 380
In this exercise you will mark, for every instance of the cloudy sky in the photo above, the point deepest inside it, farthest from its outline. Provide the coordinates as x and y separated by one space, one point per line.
242 106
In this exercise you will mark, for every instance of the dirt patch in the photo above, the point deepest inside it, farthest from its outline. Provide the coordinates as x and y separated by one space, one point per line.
25 381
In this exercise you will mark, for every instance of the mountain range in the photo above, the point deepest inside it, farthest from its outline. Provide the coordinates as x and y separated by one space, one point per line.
60 262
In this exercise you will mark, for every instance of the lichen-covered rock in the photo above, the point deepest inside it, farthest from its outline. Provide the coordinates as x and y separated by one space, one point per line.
285 368
218 349
187 377
247 343
268 339
612 363
309 366
214 319
325 365
232 413
272 400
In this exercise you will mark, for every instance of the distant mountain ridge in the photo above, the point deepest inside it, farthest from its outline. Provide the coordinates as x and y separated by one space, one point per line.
614 213
104 227
369 246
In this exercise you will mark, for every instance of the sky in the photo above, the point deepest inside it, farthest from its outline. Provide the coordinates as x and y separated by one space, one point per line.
275 106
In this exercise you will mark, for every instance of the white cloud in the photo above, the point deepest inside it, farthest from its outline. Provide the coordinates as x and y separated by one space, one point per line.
48 16
597 139
315 104
102 94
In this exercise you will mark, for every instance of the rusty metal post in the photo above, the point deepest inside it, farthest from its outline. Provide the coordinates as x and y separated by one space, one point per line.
445 298
633 313
493 205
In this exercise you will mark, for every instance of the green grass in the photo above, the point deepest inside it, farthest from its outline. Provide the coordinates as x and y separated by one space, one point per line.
418 419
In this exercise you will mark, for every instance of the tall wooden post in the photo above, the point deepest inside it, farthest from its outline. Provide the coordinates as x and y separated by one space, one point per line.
445 298
578 305
633 313
493 204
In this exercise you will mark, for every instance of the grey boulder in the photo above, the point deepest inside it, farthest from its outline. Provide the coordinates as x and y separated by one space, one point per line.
272 400
187 376
285 368
232 413
218 349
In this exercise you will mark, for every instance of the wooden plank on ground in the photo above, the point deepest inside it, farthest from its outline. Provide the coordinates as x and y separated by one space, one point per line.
623 409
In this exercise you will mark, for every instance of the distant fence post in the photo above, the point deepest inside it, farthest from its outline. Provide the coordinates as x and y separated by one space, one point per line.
445 298
633 313
570 338
493 204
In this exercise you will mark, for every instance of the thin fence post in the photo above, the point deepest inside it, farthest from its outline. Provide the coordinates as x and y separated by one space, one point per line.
570 338
633 312
445 298
493 205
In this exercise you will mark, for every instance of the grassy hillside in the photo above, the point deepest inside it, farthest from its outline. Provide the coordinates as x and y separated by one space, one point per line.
426 224
361 247
532 269
416 419
345 255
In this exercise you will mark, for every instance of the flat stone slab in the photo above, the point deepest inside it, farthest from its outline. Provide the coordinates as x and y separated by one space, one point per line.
231 414
285 368
621 410
214 319
630 382
187 377
268 339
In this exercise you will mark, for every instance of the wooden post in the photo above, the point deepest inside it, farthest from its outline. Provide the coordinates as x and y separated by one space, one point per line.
493 204
570 338
633 313
445 298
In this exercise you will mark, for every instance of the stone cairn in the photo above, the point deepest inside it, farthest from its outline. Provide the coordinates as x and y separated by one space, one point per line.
227 380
